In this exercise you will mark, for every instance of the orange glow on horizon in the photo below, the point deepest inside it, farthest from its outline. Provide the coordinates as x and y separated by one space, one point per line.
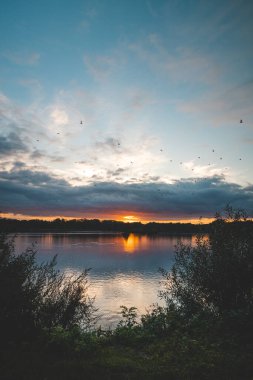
130 219
119 218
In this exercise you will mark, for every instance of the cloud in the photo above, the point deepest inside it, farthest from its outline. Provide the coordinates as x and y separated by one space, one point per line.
33 192
109 143
25 176
201 171
38 155
11 144
18 119
59 116
49 140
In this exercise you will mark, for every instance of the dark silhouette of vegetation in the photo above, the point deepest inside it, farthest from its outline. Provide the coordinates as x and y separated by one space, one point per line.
61 225
36 296
215 275
204 331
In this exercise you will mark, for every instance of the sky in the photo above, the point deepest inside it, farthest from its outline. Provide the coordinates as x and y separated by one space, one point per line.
133 110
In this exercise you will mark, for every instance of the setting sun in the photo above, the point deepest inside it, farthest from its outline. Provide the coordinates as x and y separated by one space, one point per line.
130 219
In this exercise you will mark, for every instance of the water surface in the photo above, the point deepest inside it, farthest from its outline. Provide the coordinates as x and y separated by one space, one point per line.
124 269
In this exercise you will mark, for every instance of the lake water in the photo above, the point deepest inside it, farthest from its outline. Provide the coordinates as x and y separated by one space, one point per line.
124 269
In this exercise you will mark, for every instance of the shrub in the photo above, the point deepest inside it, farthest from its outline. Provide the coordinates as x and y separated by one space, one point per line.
215 276
37 296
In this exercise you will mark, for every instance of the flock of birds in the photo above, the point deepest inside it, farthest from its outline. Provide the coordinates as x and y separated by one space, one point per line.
161 150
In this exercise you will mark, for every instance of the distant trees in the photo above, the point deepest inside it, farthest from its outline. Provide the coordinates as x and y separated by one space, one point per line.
36 296
61 225
215 275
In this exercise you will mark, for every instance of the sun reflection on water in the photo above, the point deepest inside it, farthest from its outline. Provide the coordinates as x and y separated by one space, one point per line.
133 242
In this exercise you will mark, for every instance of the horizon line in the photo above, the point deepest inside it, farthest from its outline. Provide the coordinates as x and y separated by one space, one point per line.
125 220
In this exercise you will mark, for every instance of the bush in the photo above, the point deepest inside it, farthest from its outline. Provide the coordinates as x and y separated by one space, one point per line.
215 276
37 296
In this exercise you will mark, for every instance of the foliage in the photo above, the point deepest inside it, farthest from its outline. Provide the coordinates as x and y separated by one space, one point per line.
215 276
35 296
129 316
160 321
203 332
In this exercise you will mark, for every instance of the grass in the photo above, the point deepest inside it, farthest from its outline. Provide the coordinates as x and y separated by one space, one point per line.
129 354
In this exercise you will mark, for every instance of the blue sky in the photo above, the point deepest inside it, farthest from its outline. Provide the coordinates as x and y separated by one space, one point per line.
161 87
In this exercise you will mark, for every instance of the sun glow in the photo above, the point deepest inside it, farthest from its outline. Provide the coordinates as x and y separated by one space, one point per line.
130 219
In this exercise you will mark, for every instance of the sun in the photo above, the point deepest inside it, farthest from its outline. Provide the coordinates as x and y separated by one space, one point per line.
130 218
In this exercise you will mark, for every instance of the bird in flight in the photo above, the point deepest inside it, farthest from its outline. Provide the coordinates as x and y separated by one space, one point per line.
161 150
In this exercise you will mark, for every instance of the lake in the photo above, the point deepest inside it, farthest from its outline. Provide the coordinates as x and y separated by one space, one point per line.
124 268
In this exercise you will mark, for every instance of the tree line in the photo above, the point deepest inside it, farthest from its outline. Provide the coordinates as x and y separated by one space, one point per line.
58 225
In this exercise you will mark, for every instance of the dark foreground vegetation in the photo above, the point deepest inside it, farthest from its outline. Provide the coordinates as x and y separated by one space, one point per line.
61 225
204 332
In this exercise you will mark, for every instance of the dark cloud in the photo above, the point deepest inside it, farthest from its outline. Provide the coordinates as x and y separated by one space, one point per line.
18 165
150 178
115 173
56 158
30 192
77 179
11 143
37 154
18 128
30 178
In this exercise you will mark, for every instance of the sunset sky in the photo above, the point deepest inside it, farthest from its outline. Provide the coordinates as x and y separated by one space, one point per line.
160 87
